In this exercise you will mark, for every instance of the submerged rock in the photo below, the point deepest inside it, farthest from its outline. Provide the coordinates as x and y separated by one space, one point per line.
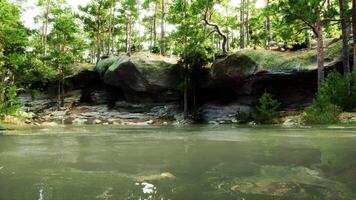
289 182
222 113
292 122
49 124
156 177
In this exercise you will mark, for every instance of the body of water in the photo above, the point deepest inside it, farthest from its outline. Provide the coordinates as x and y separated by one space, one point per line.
177 163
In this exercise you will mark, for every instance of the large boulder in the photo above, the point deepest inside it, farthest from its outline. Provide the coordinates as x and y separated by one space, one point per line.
103 65
141 78
233 69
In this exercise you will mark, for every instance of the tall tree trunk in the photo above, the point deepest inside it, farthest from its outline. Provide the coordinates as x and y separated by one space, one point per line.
354 32
269 27
98 38
127 36
110 26
45 33
186 82
163 33
345 46
155 25
320 50
247 22
242 24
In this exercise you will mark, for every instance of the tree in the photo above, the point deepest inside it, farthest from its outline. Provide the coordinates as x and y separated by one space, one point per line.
13 42
242 24
63 41
128 15
163 32
216 28
312 13
345 36
191 42
152 4
354 32
268 25
95 16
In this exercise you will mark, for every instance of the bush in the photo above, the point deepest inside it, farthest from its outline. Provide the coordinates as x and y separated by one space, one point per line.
322 112
266 110
244 118
339 90
336 94
155 50
334 90
9 102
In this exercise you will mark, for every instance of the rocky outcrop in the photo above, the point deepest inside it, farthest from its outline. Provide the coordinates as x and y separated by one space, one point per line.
233 70
141 79
238 79
233 86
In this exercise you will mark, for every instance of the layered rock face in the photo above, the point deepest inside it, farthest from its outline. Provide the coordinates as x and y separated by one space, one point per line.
233 86
141 79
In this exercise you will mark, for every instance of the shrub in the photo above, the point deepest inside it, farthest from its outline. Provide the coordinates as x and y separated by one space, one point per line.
9 102
244 117
335 95
339 90
322 112
334 90
155 50
266 110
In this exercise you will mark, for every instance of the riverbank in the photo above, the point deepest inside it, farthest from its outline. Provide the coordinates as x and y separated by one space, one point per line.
145 89
43 112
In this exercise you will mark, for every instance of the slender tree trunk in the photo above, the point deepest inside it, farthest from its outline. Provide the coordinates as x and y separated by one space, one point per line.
127 36
217 29
307 39
151 36
320 50
62 87
227 39
354 32
98 38
345 46
110 26
186 82
155 25
247 23
269 27
242 24
163 33
46 28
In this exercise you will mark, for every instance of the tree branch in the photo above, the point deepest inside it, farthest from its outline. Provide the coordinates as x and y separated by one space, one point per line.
217 29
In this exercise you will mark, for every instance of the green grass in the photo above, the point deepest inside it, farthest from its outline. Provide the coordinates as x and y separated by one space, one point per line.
277 61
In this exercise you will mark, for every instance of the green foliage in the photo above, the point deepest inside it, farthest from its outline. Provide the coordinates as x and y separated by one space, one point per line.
340 90
322 112
336 94
155 50
266 110
244 118
9 102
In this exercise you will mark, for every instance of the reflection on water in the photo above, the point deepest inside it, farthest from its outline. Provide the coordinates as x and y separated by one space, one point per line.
183 163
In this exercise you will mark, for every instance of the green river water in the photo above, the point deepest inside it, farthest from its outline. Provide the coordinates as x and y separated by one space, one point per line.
177 163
